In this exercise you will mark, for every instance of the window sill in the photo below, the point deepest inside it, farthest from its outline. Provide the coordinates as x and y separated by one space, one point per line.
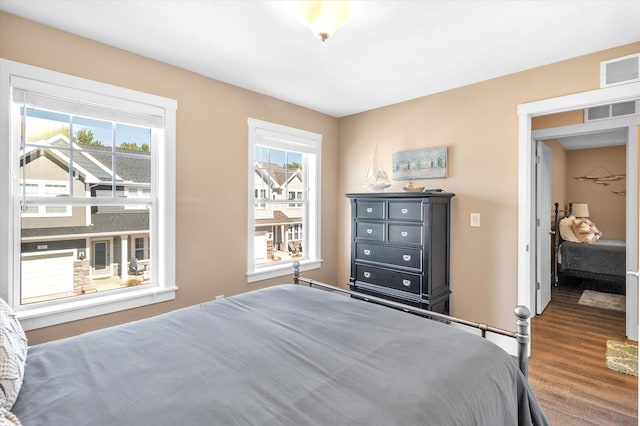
33 317
281 270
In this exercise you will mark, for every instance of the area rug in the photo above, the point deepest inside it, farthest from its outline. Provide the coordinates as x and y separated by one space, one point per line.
622 357
597 299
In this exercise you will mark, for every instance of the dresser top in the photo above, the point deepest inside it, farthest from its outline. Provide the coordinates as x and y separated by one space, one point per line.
426 194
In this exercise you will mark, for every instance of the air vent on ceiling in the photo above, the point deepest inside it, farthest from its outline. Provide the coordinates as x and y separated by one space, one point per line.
620 109
620 71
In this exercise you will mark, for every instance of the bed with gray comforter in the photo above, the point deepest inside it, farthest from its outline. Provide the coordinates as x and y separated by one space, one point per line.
602 260
285 355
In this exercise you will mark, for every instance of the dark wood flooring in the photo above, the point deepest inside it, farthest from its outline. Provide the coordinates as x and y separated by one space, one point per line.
567 367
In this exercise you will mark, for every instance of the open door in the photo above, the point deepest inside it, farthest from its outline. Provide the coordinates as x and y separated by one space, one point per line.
543 226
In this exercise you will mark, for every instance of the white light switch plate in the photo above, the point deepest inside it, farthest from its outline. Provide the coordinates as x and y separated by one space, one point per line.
474 220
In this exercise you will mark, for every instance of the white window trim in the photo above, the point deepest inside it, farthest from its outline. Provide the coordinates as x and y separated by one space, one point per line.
295 140
163 250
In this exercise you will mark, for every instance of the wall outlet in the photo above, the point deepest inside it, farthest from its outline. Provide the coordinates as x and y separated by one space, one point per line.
474 220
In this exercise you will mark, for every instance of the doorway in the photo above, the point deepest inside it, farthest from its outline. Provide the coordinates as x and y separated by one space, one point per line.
526 189
576 153
100 260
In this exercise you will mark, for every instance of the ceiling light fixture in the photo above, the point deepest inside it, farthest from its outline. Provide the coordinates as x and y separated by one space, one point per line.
324 17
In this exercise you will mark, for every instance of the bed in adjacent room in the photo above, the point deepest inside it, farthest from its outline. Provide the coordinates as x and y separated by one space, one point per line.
582 253
602 260
288 354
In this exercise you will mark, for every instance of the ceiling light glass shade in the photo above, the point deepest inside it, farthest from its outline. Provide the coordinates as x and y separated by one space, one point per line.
580 209
324 17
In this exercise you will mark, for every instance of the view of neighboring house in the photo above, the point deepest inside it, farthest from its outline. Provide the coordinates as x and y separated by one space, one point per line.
72 250
278 229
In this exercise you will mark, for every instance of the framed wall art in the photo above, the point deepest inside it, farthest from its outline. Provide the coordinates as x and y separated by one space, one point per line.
430 163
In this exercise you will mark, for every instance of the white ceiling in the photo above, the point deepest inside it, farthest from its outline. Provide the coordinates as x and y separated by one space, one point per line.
389 52
595 140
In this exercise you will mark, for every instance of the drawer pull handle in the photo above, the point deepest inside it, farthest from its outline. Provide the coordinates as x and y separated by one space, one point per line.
369 231
404 211
367 252
367 274
404 233
369 209
406 257
406 283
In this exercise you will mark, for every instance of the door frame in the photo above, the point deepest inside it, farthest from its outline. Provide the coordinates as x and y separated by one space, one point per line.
526 177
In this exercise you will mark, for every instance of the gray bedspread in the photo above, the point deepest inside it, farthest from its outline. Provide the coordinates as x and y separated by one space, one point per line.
606 258
286 355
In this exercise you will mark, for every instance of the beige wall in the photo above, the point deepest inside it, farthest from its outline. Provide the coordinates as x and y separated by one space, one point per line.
557 120
606 209
211 161
479 124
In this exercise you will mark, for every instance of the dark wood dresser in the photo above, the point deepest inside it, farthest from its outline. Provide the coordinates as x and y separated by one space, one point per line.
400 247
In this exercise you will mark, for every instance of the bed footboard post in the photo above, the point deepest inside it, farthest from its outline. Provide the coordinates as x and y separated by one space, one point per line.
522 337
296 272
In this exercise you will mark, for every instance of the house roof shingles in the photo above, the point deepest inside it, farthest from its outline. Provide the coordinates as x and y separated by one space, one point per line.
102 223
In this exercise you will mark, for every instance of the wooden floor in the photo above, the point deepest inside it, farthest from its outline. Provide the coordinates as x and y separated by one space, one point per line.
567 369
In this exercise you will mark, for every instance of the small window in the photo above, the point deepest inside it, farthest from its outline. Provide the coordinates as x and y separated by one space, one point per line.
284 210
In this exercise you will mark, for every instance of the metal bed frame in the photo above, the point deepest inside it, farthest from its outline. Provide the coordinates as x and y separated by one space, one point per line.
521 335
556 238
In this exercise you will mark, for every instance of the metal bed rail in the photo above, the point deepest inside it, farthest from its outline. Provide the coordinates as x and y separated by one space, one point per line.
521 335
557 238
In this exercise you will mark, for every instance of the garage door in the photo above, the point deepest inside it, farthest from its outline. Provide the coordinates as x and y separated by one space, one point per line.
47 274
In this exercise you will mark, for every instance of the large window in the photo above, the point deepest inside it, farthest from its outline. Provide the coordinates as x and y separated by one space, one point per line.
284 166
88 172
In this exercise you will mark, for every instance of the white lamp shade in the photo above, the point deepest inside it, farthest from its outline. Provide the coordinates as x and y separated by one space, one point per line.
580 210
324 17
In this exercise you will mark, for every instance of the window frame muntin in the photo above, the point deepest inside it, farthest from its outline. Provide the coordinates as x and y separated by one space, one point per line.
121 100
298 140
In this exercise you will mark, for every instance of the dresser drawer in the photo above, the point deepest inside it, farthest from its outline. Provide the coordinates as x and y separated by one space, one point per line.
397 256
370 209
370 231
391 279
405 234
405 210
